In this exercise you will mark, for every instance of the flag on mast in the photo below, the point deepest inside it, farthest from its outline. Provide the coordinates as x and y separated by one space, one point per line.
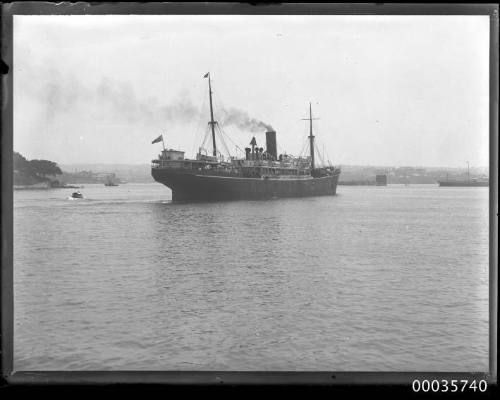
158 139
206 75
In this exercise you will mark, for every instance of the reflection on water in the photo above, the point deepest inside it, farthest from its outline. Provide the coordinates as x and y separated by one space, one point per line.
392 278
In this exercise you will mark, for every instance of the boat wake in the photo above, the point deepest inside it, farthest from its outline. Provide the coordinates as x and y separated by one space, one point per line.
75 198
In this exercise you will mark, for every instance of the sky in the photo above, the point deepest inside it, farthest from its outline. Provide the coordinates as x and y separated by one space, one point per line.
388 90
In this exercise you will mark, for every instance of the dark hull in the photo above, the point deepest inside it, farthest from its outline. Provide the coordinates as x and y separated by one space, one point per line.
463 183
192 187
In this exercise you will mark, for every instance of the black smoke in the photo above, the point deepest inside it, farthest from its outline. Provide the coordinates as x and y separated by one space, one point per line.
118 101
243 121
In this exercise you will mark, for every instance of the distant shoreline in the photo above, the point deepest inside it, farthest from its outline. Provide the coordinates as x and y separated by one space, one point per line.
44 187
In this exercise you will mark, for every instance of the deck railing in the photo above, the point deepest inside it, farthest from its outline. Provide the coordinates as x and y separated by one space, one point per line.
234 171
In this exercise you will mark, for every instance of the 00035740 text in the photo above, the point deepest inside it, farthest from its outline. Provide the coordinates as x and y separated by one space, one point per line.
445 385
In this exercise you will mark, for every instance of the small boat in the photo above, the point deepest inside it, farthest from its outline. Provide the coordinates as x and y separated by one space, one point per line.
77 195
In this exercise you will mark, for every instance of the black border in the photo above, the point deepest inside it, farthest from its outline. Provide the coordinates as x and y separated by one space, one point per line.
227 377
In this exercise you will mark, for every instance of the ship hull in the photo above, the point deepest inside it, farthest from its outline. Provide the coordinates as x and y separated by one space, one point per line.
463 184
192 187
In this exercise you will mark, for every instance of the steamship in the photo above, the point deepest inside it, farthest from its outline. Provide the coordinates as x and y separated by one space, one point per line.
261 174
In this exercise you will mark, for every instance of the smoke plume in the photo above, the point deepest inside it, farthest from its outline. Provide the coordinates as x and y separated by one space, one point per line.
117 101
125 104
243 121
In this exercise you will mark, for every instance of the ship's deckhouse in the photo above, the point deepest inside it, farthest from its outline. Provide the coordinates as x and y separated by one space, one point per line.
172 155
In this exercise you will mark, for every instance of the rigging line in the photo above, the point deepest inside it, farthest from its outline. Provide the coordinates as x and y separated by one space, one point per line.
229 137
302 151
221 136
233 142
327 160
317 152
217 103
319 155
199 125
238 148
215 98
327 156
226 148
220 106
207 131
197 129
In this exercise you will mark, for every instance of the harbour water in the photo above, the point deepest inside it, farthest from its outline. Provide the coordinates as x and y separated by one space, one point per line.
374 279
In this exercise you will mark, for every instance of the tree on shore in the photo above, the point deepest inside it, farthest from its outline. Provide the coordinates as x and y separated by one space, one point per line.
33 170
21 164
44 168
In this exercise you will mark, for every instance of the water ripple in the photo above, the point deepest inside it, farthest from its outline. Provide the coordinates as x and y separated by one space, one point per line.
392 279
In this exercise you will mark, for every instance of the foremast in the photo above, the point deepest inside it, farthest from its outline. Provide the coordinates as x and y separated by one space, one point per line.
212 122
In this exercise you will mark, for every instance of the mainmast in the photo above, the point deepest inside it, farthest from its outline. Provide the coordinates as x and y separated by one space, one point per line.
212 122
468 174
311 136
